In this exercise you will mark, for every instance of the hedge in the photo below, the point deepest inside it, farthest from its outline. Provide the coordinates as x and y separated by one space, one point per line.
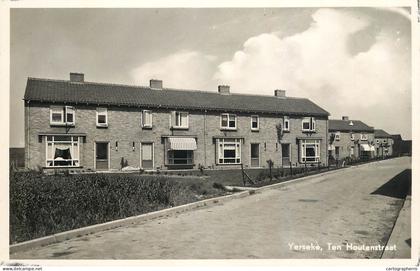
41 205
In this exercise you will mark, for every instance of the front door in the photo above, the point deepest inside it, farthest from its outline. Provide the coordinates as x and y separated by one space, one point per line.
101 156
255 155
285 154
147 155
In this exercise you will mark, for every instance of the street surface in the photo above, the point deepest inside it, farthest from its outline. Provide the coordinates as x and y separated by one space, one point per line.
357 206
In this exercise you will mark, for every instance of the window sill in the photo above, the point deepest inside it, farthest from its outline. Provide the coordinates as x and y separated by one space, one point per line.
62 124
286 131
179 128
255 130
181 165
308 131
228 129
102 126
147 127
57 167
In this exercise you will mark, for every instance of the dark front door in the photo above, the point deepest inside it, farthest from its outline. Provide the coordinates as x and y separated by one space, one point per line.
285 154
102 156
255 155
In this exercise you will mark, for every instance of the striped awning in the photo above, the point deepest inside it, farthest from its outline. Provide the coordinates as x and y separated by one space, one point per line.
182 143
367 147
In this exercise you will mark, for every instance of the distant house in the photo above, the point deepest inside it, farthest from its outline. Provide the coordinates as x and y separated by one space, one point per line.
350 138
406 147
99 126
397 145
383 143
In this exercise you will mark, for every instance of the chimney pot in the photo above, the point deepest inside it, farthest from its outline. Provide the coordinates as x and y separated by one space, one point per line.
223 89
77 77
346 118
156 84
280 93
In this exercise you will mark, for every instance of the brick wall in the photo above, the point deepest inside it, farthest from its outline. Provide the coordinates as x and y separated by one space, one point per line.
124 126
380 148
345 143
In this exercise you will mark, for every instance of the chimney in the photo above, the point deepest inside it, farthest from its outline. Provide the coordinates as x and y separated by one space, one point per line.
223 89
156 84
346 118
280 93
77 77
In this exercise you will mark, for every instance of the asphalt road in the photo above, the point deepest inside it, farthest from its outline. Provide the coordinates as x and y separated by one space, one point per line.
357 206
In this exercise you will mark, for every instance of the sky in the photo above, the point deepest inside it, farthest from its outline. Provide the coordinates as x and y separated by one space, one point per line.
353 62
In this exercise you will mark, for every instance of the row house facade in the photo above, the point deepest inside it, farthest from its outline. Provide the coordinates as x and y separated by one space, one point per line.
350 139
384 143
97 126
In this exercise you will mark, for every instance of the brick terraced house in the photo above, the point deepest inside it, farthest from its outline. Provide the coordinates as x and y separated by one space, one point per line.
350 138
383 143
97 126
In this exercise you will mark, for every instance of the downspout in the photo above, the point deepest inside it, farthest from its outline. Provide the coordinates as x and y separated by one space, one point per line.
326 143
204 139
27 135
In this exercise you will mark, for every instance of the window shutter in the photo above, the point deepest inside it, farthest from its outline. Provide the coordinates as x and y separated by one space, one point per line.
172 120
313 123
141 118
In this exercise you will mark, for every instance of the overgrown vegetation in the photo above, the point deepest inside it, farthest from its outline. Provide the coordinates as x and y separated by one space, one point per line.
41 205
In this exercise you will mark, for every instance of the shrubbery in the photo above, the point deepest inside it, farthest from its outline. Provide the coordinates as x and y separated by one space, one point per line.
41 205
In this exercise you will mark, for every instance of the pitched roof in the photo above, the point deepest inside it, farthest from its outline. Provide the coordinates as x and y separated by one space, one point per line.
61 91
344 125
382 133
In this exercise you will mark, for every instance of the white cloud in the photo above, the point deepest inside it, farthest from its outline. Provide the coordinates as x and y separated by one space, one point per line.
184 69
373 85
317 64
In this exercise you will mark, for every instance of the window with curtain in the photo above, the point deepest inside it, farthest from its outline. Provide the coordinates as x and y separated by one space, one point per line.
62 151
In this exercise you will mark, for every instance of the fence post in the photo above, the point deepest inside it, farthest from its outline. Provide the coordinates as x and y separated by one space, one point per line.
243 175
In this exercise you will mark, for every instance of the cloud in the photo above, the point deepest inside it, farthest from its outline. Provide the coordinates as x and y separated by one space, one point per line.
184 69
316 63
373 85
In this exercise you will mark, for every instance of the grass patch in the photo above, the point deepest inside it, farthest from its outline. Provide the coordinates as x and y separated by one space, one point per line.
42 205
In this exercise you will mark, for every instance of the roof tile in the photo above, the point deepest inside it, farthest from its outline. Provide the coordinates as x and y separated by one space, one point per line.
46 90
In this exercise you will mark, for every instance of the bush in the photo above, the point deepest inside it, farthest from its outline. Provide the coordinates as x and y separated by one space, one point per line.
41 205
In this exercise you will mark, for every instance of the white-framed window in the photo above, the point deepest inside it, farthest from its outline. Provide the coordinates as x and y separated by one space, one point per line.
363 137
351 136
62 151
337 136
308 124
229 151
146 119
62 115
101 117
228 121
255 123
286 124
309 150
179 120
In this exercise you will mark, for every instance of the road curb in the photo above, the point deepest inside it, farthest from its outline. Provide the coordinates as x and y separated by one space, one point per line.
395 236
62 236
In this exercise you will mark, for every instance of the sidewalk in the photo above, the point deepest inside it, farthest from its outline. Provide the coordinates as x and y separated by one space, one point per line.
401 234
